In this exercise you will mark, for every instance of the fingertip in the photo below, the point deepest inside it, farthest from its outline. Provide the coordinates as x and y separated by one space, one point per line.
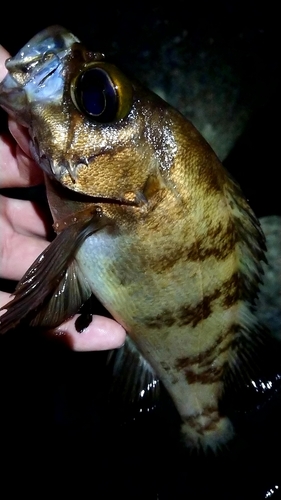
3 56
100 334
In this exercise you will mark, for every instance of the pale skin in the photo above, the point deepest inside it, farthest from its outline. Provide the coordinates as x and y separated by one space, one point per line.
23 230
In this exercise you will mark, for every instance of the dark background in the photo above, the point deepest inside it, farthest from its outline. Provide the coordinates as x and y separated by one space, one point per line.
218 63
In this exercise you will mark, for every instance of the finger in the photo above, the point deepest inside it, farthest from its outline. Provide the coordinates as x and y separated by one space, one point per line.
30 173
3 56
18 252
22 237
101 334
17 168
4 299
23 217
20 134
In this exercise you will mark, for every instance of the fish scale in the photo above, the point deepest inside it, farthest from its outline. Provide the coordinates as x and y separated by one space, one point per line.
159 232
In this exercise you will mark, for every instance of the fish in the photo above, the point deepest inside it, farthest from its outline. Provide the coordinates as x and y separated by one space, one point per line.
148 221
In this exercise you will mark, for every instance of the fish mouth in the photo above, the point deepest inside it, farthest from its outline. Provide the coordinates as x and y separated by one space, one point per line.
35 72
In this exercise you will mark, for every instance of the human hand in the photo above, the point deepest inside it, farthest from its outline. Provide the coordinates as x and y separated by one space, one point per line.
24 227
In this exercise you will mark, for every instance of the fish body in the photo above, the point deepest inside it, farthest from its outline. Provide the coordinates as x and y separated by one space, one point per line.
147 219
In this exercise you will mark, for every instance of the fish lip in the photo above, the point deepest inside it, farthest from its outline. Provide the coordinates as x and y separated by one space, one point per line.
39 59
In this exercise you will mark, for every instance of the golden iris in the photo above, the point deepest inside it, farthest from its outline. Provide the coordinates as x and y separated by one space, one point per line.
102 92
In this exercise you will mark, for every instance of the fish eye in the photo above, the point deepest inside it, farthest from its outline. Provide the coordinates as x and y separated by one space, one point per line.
102 92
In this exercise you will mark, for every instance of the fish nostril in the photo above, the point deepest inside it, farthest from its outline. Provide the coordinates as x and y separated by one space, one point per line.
25 68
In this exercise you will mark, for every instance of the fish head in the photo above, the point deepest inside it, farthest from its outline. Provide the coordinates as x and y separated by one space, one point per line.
91 128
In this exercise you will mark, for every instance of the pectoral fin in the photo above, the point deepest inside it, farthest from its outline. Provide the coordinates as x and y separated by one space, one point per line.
53 289
71 292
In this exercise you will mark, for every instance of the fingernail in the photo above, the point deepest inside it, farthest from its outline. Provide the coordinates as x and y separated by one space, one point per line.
82 322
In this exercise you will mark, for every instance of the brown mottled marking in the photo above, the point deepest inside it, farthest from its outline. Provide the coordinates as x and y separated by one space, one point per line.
201 251
189 314
216 243
166 318
208 376
203 372
214 351
165 365
203 359
174 379
230 291
209 411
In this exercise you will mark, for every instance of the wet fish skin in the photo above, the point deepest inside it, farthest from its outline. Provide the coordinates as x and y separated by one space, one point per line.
174 251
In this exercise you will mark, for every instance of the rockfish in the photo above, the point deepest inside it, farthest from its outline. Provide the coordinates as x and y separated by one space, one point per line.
147 220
